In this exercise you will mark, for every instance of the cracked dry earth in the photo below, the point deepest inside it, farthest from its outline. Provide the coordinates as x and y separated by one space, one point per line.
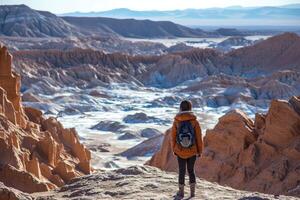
143 182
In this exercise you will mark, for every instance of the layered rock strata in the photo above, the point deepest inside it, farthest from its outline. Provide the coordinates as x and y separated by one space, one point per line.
37 154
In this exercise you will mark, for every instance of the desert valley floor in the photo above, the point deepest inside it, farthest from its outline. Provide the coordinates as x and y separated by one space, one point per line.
87 104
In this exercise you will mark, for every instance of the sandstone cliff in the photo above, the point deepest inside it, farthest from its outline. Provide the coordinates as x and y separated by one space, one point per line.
261 155
37 154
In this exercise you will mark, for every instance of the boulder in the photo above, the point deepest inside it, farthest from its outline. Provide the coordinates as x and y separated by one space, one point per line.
150 132
142 118
108 126
145 148
128 135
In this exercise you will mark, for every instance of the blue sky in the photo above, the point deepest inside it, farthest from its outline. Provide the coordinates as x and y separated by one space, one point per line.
63 6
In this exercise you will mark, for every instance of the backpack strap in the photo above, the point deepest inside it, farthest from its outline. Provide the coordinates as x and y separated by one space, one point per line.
178 125
195 140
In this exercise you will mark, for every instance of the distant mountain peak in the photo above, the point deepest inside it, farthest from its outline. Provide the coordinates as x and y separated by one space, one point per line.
21 20
232 15
122 9
234 7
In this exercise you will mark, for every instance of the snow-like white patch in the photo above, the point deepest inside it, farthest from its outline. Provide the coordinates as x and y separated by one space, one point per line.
121 100
194 42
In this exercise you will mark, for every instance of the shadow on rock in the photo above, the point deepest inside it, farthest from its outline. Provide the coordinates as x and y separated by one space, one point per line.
253 198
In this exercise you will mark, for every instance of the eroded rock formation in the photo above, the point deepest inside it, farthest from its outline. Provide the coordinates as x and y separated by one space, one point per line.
10 82
37 154
261 155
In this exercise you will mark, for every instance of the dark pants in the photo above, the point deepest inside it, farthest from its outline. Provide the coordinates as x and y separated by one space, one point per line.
189 164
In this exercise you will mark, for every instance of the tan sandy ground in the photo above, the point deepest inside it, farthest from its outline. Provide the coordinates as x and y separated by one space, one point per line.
143 182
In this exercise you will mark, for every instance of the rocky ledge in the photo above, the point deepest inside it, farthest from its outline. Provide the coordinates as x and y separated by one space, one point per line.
261 155
138 182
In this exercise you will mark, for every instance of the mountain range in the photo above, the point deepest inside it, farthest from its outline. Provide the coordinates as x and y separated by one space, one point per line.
233 16
136 28
20 20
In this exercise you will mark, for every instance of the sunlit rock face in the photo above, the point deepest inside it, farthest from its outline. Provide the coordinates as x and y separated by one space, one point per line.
280 52
248 62
10 82
37 154
164 158
261 155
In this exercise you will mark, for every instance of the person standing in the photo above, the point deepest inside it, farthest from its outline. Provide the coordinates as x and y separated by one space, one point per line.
186 145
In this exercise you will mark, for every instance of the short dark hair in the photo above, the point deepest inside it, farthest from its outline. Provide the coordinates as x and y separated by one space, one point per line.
185 105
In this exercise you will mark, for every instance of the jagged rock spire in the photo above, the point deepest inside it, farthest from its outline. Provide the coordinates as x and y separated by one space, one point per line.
11 82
